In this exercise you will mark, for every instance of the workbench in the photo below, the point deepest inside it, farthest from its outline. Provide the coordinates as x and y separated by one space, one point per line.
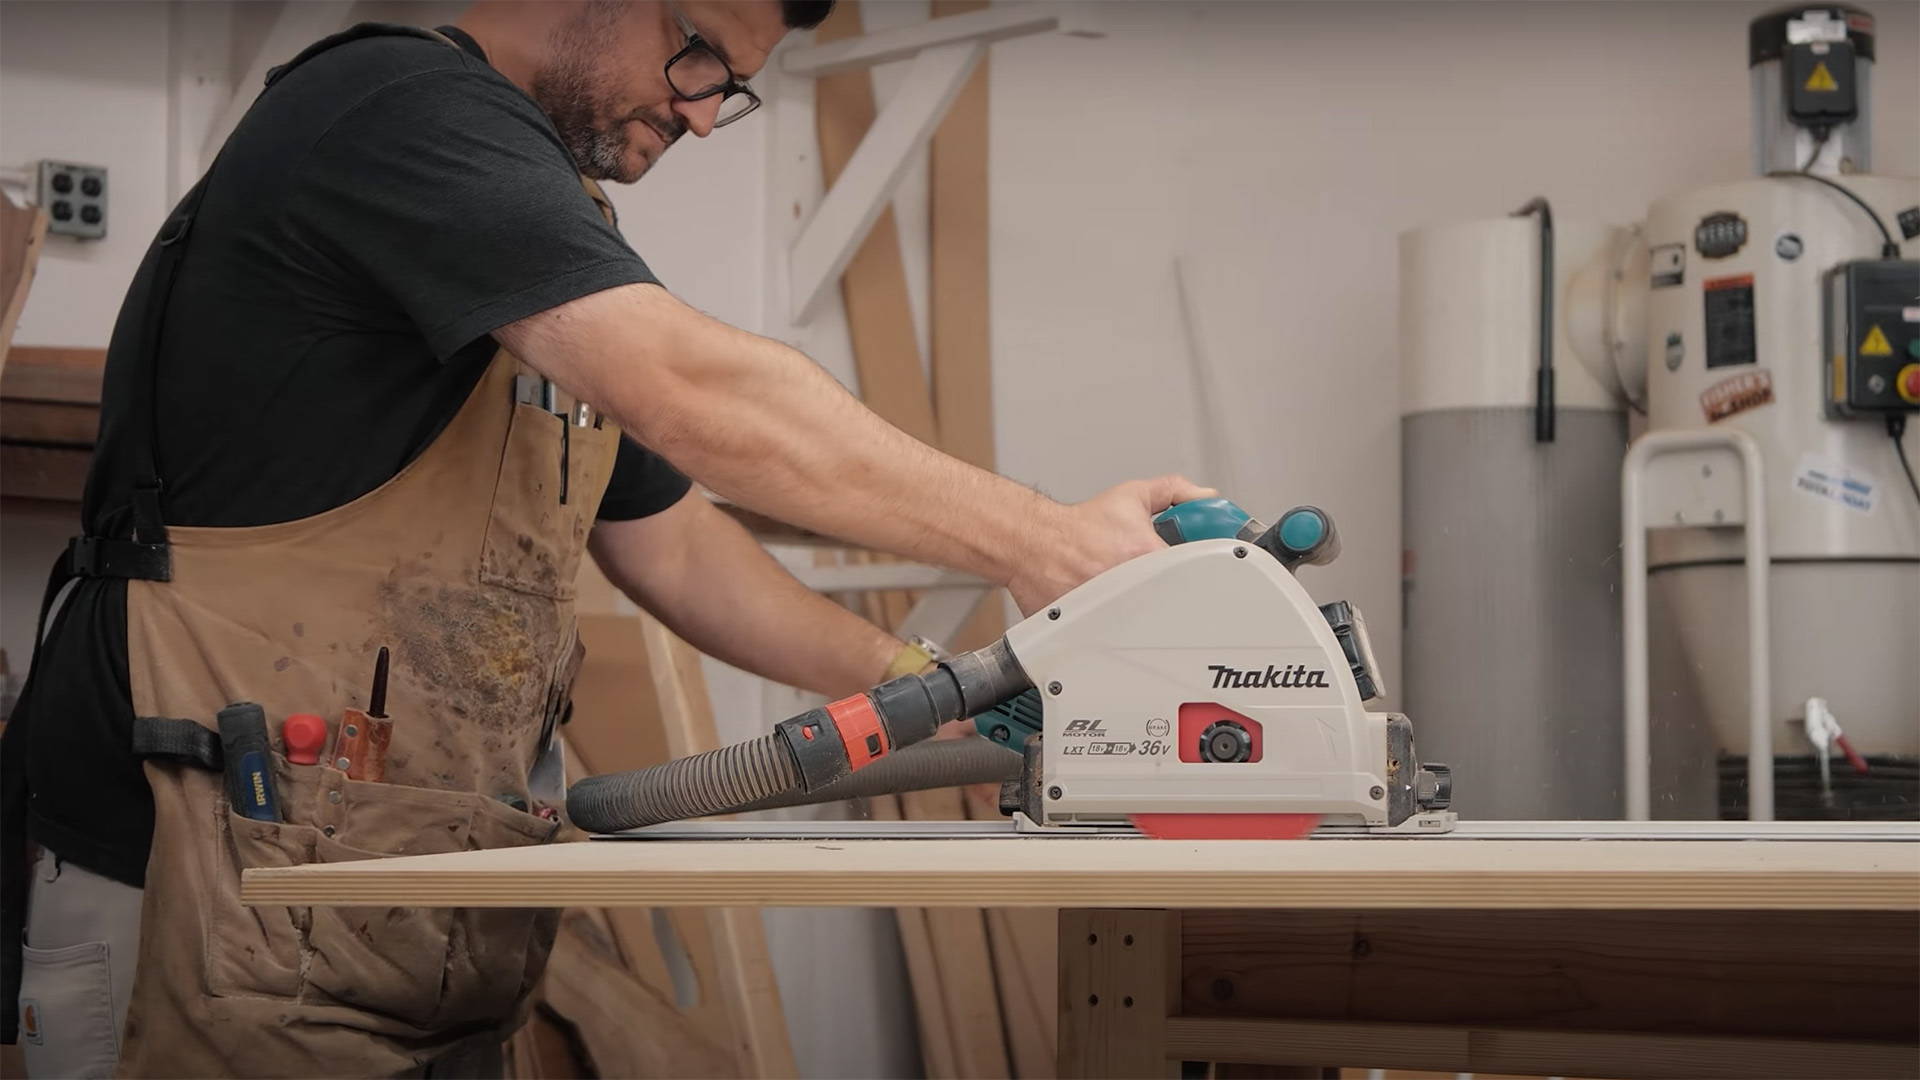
1589 949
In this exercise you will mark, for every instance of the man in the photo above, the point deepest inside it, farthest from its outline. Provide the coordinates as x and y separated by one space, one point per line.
367 391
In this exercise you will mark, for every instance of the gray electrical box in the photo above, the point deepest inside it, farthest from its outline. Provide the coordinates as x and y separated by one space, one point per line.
1873 338
75 198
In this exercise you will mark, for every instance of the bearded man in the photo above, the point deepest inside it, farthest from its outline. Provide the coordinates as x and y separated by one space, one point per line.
384 376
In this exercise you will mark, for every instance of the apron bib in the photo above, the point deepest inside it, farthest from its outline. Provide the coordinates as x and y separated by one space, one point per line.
463 565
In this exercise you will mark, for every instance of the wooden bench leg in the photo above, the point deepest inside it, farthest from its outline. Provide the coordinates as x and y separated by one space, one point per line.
1119 981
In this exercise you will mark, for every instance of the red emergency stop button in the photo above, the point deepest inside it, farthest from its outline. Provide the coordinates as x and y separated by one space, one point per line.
1908 383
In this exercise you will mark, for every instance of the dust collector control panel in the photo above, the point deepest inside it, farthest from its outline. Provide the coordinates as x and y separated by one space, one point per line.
1873 337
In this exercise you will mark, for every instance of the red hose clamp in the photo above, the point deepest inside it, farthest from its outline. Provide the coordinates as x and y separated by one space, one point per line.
860 730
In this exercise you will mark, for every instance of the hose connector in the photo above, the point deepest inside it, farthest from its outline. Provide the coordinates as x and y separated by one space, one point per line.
830 743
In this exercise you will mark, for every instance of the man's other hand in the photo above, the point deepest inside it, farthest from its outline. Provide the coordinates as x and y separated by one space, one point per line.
1092 536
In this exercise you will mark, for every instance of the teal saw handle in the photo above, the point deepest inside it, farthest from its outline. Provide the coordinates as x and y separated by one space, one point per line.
1205 519
1304 534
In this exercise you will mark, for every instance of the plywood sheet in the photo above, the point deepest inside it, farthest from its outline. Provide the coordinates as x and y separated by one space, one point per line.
1133 872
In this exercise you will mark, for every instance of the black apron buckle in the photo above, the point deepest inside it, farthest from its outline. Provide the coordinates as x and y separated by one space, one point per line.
94 556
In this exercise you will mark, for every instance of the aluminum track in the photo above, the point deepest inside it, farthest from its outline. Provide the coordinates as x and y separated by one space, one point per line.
1882 831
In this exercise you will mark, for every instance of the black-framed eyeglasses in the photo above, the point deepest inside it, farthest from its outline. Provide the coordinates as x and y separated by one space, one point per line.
696 73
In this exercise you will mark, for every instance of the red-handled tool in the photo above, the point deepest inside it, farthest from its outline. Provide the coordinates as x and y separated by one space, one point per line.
303 735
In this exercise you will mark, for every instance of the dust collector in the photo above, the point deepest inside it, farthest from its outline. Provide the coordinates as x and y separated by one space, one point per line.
1779 313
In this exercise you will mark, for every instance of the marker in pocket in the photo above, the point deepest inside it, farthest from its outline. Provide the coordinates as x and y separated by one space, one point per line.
248 761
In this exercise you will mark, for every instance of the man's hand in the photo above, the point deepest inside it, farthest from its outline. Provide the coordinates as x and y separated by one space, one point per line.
1099 534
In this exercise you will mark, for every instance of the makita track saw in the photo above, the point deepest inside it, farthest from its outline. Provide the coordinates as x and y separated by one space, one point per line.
1194 692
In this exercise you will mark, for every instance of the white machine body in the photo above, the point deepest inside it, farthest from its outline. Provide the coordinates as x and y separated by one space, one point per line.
1777 398
1214 623
1843 528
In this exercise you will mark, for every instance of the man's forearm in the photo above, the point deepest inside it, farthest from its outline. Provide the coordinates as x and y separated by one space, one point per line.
761 424
716 587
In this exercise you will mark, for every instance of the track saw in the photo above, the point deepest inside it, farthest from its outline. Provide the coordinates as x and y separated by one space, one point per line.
1196 692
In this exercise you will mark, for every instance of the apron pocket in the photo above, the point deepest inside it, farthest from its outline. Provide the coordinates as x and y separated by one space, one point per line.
255 951
529 529
495 955
534 540
387 960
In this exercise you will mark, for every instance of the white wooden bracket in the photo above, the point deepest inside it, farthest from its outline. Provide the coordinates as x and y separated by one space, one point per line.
945 52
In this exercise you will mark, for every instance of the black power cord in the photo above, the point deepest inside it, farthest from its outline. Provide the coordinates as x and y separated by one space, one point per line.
1888 250
1820 137
1896 428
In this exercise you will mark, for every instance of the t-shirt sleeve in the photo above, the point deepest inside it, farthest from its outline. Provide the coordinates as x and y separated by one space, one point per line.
448 193
643 484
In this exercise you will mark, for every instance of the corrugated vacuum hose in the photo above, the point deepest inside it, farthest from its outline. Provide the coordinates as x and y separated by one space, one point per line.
936 763
815 756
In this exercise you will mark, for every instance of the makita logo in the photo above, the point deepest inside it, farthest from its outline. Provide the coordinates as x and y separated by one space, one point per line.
1293 676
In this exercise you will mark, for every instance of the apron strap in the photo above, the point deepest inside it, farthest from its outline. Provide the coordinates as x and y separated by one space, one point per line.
172 739
146 556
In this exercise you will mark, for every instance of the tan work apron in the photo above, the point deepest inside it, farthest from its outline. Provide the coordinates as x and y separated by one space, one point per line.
463 565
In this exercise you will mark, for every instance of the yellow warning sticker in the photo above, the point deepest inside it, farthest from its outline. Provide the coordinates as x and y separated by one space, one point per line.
1876 344
1821 81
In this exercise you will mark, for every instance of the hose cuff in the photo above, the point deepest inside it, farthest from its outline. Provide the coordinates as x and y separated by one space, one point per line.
818 750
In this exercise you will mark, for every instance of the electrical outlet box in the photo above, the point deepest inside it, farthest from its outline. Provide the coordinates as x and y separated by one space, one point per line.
1873 338
75 198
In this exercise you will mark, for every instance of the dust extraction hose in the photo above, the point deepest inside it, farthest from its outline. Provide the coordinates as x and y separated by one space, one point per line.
808 754
936 763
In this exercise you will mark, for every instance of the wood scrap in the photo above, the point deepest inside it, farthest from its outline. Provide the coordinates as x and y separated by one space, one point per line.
923 970
627 1027
1022 940
964 1031
609 977
886 351
23 232
742 972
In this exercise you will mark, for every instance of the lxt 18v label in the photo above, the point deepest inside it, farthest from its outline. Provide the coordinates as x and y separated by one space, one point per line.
1729 312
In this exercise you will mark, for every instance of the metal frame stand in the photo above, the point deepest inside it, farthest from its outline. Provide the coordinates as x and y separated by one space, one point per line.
1668 480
